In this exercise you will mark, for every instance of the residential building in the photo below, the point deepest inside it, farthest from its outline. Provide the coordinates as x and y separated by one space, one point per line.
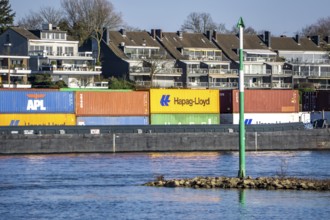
262 67
14 71
306 58
138 56
201 61
51 50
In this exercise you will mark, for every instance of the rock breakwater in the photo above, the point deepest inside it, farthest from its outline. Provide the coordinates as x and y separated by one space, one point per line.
269 183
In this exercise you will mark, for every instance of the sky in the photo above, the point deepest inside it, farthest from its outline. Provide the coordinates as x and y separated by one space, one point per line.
280 17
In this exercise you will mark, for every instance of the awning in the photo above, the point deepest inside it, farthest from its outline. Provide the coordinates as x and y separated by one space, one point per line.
274 63
191 61
216 62
223 76
265 52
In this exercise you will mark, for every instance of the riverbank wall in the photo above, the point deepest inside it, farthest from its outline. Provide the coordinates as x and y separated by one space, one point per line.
314 139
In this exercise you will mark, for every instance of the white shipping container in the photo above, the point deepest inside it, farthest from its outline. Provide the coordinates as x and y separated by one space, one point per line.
265 118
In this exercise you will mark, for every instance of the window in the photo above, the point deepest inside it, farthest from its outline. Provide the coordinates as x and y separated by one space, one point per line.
59 51
69 51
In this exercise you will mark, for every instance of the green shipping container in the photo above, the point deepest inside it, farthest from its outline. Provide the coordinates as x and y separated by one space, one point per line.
184 119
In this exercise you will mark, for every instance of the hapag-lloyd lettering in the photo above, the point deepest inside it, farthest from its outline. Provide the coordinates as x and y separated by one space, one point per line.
191 102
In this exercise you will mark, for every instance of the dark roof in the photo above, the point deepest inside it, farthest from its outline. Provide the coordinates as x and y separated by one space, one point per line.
229 43
173 42
25 33
290 44
134 39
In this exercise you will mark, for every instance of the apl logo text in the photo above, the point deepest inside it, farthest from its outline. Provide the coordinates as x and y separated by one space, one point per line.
35 102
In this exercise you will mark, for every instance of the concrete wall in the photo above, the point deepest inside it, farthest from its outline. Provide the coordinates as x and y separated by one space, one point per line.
317 139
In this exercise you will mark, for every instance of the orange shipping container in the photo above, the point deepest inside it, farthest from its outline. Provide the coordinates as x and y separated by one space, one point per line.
112 103
260 101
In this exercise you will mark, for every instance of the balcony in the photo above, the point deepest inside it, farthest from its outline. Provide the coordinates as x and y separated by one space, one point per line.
223 85
223 71
138 71
259 59
197 84
203 58
17 86
169 71
147 84
265 73
198 71
279 85
257 85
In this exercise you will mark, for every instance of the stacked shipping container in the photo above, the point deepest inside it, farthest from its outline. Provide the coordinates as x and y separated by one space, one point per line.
22 108
112 108
261 106
184 106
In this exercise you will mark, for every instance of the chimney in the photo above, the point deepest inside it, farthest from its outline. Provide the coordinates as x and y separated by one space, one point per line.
47 26
180 34
123 32
209 35
327 39
267 39
214 35
153 33
159 33
316 40
106 35
297 39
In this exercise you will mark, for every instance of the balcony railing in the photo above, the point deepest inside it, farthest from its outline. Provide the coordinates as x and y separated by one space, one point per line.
197 71
197 84
169 71
257 85
315 61
278 85
202 58
227 85
223 71
267 72
259 59
147 84
140 70
45 53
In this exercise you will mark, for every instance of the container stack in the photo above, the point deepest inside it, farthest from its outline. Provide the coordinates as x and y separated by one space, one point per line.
184 107
261 106
30 107
112 108
318 104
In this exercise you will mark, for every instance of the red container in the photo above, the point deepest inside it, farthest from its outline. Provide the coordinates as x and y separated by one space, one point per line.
260 101
112 103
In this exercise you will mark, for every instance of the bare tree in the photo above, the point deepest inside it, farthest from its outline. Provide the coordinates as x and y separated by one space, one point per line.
91 17
34 20
198 23
247 30
321 27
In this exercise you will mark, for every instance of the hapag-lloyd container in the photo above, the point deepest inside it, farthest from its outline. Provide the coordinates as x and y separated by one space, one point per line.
184 119
174 101
112 103
36 102
37 119
122 120
260 101
264 118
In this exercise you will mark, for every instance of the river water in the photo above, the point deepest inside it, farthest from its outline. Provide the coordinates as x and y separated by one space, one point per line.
108 186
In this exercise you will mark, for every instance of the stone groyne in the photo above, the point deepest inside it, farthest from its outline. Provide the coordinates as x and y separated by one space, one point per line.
269 183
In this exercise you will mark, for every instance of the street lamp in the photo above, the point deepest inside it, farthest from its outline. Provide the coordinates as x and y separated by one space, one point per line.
8 45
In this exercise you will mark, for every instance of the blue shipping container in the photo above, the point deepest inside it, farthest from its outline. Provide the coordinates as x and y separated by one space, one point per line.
36 102
129 120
